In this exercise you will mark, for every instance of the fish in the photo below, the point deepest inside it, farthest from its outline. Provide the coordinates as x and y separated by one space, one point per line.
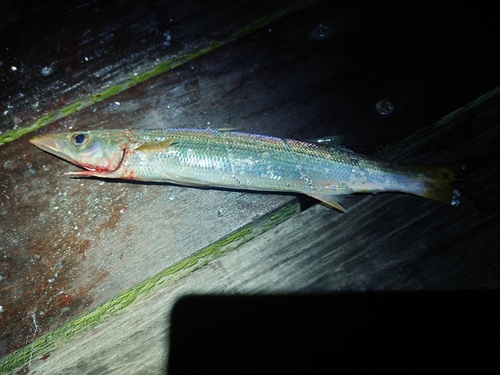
244 161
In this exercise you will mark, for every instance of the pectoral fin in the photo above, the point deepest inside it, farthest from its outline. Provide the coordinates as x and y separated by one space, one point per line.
155 146
331 200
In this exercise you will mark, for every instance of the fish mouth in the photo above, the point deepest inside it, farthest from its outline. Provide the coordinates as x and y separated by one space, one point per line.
52 145
93 171
48 143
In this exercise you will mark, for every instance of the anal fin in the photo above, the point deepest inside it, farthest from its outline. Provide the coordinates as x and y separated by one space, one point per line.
331 200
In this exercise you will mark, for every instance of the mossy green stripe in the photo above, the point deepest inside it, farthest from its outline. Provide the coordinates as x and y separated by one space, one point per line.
51 340
13 134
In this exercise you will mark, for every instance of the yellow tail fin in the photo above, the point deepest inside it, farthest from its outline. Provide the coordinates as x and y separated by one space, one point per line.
440 186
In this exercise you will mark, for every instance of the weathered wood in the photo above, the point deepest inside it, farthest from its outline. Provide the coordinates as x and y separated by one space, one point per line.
167 278
72 244
385 242
63 56
69 245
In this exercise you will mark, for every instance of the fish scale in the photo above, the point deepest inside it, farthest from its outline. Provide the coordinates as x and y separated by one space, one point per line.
248 161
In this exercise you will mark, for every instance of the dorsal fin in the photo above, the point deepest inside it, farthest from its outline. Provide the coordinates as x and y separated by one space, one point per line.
155 146
327 141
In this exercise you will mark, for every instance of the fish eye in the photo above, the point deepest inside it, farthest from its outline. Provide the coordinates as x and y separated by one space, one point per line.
79 139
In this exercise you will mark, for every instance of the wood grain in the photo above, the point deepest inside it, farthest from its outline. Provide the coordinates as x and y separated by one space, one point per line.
385 242
68 245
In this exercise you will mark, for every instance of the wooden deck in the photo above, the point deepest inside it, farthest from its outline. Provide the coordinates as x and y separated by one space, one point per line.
90 269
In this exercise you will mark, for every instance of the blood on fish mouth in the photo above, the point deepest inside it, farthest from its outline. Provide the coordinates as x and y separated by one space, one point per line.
91 168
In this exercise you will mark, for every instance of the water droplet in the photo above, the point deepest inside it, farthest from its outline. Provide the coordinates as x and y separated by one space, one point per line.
455 198
47 70
167 37
115 105
322 32
384 107
9 165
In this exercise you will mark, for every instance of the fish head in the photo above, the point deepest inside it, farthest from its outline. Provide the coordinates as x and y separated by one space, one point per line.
99 152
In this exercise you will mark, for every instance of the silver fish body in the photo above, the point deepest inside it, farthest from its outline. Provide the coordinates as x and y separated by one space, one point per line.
245 161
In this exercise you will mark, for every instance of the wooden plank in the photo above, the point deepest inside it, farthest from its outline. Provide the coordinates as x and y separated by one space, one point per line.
131 297
51 276
54 64
385 242
69 245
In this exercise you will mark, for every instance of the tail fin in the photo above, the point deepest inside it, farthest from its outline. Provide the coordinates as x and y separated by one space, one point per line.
440 182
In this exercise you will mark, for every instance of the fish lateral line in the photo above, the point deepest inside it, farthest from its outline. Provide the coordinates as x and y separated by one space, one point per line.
246 161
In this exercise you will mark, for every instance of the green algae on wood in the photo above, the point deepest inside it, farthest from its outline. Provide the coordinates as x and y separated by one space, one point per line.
263 22
158 69
13 134
99 314
162 67
70 109
113 90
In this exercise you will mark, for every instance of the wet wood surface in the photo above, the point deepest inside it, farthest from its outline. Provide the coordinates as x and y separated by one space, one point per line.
64 52
69 245
316 251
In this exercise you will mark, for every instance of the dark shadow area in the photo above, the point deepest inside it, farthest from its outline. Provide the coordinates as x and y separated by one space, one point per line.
324 333
376 72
